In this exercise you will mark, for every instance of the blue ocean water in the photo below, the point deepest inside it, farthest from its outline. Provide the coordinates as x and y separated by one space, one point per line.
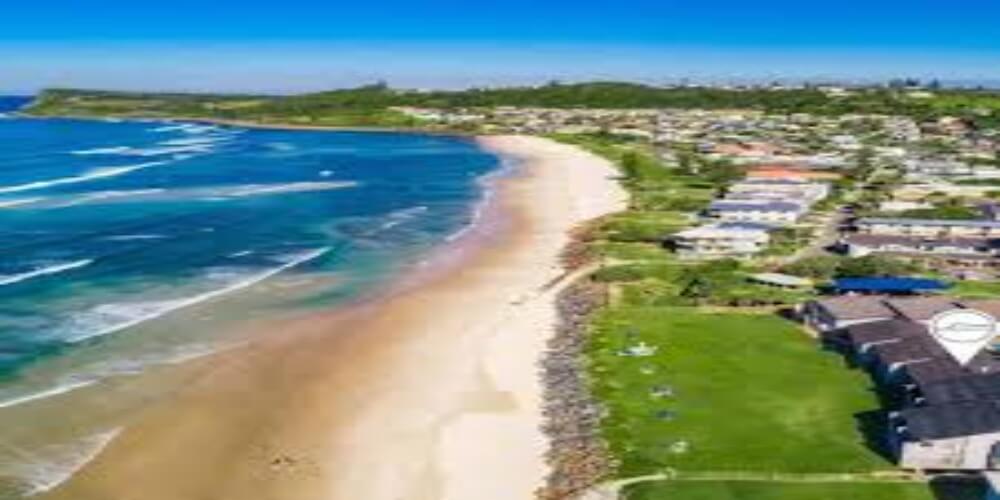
107 227
12 103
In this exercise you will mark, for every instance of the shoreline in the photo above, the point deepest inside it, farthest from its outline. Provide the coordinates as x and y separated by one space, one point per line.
259 125
432 392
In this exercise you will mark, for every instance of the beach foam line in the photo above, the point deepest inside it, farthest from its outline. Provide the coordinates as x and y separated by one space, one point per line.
110 318
56 464
116 368
100 173
47 393
54 269
400 216
485 182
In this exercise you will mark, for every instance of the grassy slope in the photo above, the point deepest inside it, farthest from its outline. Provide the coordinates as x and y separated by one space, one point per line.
752 393
787 491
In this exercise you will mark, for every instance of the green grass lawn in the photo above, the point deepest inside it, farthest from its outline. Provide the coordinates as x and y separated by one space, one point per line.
976 289
748 490
751 393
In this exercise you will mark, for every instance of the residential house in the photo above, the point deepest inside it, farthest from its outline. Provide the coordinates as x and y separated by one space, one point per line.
957 436
950 252
775 213
721 240
834 313
930 228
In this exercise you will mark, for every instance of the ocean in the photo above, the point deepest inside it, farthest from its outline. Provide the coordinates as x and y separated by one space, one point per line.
133 246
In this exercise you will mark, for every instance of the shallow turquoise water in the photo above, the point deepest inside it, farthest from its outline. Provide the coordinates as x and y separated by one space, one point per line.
108 228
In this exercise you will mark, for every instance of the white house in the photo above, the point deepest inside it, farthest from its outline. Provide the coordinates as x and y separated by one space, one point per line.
721 240
777 213
931 228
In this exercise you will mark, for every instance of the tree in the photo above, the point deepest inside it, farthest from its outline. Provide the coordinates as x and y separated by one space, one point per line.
721 173
821 267
874 265
630 165
686 162
697 289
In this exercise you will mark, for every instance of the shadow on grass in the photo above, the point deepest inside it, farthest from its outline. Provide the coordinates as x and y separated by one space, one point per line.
873 426
958 488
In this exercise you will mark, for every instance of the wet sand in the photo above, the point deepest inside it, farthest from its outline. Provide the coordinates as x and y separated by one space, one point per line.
431 392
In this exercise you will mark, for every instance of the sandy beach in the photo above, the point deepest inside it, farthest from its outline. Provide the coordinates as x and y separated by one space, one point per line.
429 393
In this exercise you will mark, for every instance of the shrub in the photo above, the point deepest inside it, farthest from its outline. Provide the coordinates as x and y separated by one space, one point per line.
619 273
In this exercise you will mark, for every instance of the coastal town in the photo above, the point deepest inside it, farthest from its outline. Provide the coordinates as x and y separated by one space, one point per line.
885 185
869 225
660 250
757 322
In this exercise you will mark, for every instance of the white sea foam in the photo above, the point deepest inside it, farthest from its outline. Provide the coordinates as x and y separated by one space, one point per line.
486 183
68 386
10 279
100 173
197 141
169 128
400 216
294 187
162 149
99 196
101 151
110 318
98 372
137 364
477 215
134 237
19 202
46 468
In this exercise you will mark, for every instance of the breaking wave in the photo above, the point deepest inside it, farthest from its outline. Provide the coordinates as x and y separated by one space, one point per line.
47 393
100 173
106 319
294 187
19 202
48 467
10 279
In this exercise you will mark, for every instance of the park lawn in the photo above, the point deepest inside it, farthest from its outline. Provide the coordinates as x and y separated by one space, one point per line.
976 289
751 393
757 490
650 227
631 251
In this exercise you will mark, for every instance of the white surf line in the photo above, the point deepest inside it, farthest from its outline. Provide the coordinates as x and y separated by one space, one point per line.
100 173
48 393
19 202
58 268
293 187
45 476
169 306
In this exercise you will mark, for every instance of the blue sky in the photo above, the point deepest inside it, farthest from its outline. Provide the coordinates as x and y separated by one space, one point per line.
298 45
